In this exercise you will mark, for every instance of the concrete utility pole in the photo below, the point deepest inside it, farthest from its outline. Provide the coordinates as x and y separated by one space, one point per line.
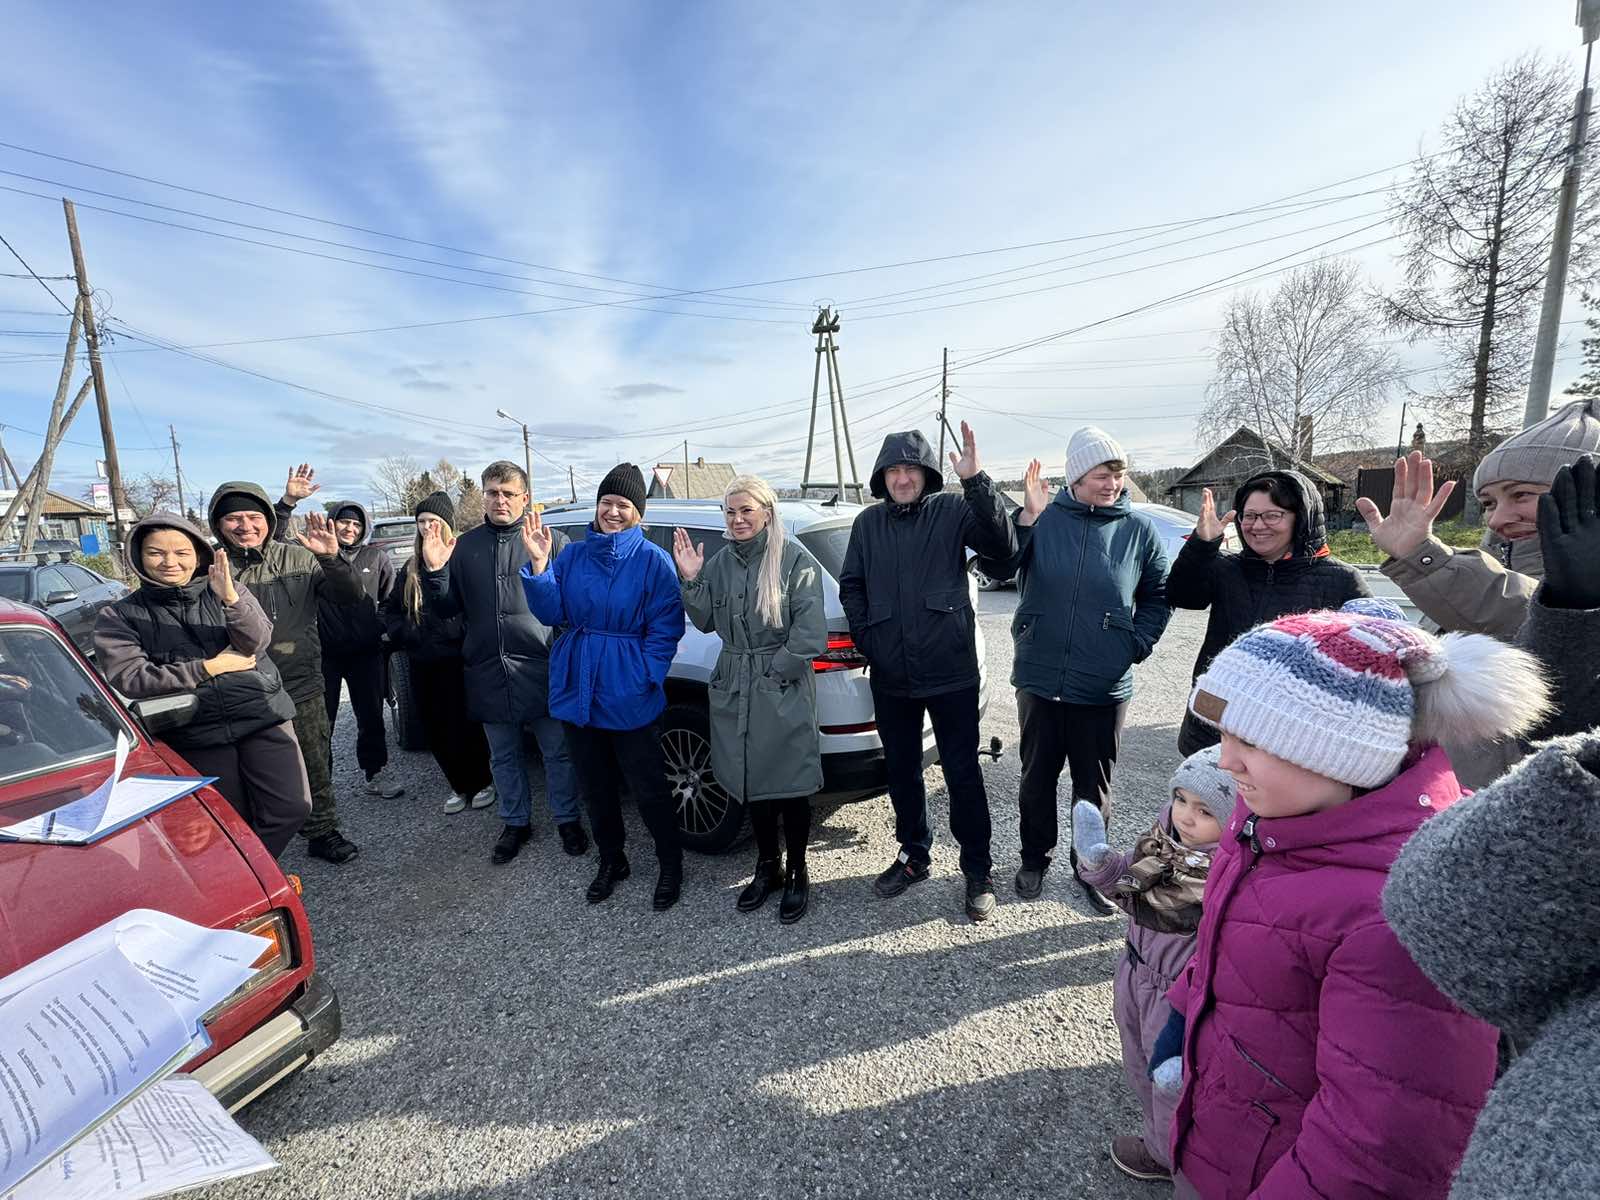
825 326
572 483
944 401
177 471
527 452
1555 280
97 372
686 488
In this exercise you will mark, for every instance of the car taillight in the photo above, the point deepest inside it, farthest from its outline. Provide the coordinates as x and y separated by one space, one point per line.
841 655
275 960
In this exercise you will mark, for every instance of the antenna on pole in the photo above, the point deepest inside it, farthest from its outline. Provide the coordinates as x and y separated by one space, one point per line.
844 488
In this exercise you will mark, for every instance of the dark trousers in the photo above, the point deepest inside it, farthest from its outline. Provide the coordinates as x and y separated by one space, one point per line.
955 730
364 674
603 758
312 731
455 740
1194 734
1083 738
264 777
795 814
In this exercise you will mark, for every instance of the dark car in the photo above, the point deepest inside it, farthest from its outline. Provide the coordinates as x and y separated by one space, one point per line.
72 594
394 536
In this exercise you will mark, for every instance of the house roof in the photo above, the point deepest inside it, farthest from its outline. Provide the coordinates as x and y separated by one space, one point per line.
1451 454
1246 453
57 505
705 481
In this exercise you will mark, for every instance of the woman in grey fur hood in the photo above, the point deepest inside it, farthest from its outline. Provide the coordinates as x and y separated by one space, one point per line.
1532 967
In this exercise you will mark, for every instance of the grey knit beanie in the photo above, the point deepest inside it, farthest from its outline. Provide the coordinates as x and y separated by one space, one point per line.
1091 446
1539 451
1200 775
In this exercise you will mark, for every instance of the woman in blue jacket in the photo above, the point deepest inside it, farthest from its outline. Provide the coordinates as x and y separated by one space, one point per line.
1092 577
614 599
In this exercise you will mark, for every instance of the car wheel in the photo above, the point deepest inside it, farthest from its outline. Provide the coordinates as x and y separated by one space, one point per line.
709 819
408 730
985 583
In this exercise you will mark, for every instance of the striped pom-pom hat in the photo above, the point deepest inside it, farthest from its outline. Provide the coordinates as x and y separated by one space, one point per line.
1333 692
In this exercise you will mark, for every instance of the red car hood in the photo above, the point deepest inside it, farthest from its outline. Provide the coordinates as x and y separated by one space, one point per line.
179 860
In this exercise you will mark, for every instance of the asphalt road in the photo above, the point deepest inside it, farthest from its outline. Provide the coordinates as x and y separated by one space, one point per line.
503 1038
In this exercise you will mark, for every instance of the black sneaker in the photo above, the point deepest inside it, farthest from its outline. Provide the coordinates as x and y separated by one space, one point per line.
980 897
668 885
899 875
612 872
509 844
573 839
1030 882
332 847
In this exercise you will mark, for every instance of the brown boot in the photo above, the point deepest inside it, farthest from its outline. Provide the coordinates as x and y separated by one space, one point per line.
1133 1159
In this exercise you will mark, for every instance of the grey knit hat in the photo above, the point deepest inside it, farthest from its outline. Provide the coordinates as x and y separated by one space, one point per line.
1539 451
1200 774
1091 446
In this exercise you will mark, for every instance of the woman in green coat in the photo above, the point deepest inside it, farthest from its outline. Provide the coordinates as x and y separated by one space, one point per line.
762 596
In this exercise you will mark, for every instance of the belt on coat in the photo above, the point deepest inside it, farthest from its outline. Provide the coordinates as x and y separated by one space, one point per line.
588 668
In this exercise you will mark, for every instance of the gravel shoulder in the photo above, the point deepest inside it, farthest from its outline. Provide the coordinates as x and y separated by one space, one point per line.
503 1039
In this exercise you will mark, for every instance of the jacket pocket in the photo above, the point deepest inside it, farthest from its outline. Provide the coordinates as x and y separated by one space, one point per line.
1255 1159
1120 624
951 600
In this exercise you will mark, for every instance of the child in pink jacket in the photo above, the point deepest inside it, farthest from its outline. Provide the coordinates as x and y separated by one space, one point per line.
1159 882
1317 1059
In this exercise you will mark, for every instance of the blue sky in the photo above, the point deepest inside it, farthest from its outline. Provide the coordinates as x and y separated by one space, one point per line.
676 147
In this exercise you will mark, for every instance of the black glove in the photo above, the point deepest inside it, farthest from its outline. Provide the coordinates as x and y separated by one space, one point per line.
1169 1042
1569 535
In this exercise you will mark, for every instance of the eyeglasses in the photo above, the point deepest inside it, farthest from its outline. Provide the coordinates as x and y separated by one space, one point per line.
1273 516
498 494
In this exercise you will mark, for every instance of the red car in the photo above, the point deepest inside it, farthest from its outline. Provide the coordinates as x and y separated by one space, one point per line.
195 858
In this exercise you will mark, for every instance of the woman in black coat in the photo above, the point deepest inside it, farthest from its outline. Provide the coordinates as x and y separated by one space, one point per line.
1284 568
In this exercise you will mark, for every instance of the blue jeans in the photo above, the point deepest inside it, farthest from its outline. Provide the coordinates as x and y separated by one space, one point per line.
510 769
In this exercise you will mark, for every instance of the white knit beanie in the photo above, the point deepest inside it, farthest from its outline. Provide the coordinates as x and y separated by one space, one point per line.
1088 448
1539 451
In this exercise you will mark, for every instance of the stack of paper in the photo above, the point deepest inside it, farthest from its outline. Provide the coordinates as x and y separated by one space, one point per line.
90 1028
115 804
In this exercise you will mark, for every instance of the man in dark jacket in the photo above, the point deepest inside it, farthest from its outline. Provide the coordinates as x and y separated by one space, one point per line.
507 657
904 587
290 582
353 646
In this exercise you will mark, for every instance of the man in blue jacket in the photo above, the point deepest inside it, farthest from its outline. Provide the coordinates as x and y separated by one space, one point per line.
904 587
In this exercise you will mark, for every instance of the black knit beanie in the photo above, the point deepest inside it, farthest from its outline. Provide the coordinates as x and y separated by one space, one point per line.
623 480
438 503
238 502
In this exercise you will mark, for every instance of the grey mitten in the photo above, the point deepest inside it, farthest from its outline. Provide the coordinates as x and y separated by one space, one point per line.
1168 1076
1089 836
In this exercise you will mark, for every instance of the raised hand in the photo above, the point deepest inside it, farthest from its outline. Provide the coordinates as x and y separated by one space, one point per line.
435 550
689 557
1415 508
1569 536
1089 835
1035 493
228 661
1210 527
536 540
965 464
221 575
319 537
300 484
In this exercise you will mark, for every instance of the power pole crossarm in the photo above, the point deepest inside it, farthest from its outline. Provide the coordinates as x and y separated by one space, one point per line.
97 373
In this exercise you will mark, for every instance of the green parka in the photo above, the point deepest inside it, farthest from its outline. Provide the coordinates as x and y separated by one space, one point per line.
764 740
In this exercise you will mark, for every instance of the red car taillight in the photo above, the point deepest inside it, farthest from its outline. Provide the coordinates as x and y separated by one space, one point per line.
841 655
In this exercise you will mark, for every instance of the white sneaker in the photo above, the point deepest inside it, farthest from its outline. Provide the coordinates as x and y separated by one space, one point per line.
484 798
378 786
456 803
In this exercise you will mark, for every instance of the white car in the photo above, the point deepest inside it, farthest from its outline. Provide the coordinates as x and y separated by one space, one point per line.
852 755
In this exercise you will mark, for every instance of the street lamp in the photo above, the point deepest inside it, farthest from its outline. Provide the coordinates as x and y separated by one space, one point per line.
527 454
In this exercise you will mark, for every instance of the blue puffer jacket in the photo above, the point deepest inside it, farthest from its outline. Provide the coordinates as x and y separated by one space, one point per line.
1093 584
615 598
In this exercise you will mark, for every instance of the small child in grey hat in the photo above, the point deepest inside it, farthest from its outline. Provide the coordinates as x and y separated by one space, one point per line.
1159 883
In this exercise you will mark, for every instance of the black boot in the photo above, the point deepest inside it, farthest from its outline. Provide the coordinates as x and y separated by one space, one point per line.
332 847
768 879
612 872
668 884
796 893
509 844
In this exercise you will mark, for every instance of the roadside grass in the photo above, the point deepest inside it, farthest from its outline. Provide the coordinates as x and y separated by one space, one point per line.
1355 545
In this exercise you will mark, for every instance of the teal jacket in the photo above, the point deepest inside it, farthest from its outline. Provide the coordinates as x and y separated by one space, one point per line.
1093 585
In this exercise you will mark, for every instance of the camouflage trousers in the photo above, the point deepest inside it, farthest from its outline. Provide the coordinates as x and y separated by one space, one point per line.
315 734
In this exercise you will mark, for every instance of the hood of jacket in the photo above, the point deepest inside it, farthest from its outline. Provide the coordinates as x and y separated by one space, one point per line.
1122 506
243 487
204 555
366 524
1310 523
907 449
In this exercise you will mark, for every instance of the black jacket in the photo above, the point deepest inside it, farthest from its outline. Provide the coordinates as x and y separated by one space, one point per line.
506 652
430 637
354 629
1243 590
904 580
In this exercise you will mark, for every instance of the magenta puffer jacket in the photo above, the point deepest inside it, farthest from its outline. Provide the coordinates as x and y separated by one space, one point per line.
1318 1060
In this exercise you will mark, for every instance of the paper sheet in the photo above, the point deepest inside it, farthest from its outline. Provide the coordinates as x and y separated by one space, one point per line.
173 1137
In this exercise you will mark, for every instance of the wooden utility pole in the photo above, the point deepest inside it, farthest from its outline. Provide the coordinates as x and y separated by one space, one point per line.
33 478
572 483
177 471
32 493
97 372
944 402
8 470
686 488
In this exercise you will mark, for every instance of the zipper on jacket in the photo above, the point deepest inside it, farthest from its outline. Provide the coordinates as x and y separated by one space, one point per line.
1248 834
1077 584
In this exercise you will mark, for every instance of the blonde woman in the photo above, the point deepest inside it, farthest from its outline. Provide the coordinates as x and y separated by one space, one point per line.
432 645
761 595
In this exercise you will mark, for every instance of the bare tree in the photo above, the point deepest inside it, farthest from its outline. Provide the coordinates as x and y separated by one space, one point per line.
1300 363
147 494
393 481
1478 215
469 503
446 476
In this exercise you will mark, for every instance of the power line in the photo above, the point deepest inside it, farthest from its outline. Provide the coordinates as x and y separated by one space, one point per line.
64 306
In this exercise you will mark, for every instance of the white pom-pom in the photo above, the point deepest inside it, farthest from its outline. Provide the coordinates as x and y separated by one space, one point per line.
1487 690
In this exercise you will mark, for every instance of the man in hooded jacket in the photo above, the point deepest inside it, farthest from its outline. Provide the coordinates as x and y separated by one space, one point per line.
290 581
904 587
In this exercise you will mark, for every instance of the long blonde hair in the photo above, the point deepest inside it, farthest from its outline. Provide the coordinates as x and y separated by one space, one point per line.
769 580
413 584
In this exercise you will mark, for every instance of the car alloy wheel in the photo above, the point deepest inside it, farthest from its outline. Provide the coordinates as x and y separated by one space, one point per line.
708 817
